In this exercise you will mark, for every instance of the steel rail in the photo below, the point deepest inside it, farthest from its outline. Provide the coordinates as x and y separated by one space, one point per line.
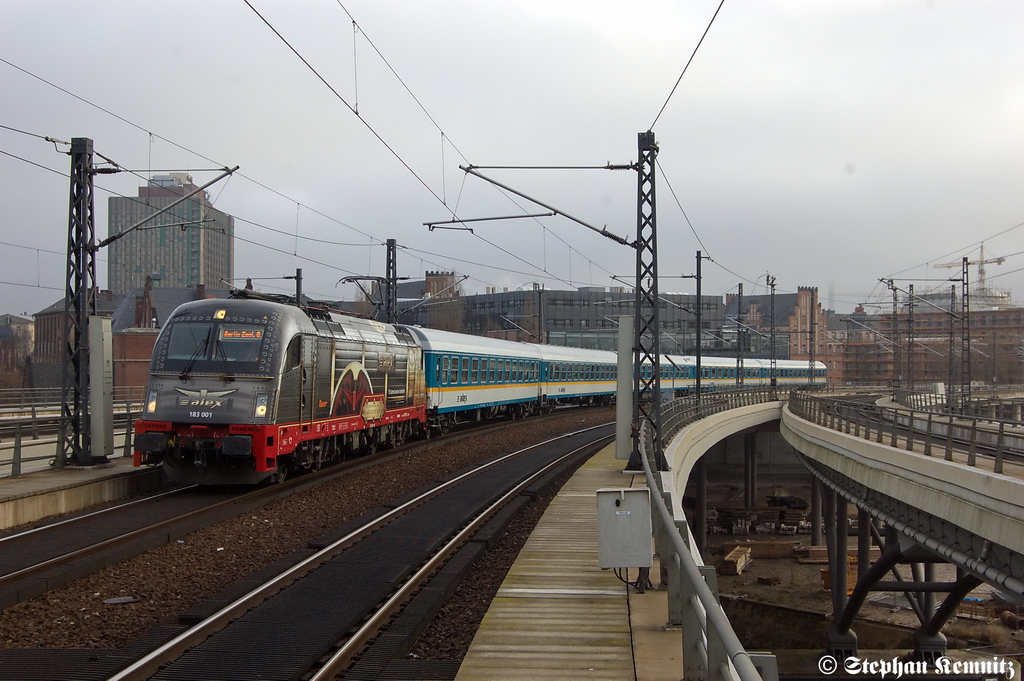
342 658
93 514
149 664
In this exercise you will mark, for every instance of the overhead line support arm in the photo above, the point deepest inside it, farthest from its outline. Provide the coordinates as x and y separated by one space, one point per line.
600 230
114 237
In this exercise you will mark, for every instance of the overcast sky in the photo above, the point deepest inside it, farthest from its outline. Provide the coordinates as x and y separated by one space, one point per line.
828 143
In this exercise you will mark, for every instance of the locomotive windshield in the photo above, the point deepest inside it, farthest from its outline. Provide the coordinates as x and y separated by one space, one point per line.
207 346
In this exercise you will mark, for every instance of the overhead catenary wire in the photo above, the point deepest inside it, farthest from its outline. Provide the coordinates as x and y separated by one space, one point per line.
144 179
374 132
152 135
688 62
347 105
241 219
444 136
445 139
167 141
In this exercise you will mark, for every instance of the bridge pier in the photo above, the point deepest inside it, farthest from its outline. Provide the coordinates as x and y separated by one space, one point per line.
816 537
700 516
929 641
750 470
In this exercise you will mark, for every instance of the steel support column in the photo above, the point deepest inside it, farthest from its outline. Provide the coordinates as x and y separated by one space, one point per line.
79 305
965 337
647 350
841 641
391 285
816 486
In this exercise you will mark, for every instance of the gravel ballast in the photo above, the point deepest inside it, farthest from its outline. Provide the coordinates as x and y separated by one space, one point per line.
172 579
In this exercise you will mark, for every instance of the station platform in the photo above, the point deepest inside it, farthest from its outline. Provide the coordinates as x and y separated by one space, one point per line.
560 616
48 492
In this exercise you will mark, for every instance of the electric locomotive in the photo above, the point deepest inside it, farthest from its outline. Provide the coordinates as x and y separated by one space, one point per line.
247 389
250 388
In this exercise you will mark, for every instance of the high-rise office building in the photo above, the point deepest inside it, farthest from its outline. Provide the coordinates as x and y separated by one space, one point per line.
192 243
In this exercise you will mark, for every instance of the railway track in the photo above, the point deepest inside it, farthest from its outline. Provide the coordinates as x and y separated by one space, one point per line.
358 576
53 554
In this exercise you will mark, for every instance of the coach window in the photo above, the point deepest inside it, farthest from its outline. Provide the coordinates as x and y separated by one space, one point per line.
465 370
475 371
490 375
442 371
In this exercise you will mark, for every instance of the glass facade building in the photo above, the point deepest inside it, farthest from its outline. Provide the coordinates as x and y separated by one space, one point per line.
191 244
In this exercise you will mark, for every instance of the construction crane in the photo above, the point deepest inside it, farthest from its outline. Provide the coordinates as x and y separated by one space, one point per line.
980 262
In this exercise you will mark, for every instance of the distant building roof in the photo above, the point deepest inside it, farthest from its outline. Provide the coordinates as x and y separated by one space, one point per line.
785 304
104 307
11 320
165 300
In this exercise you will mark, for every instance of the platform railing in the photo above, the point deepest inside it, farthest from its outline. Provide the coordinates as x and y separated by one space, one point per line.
25 398
25 440
977 441
1000 401
711 649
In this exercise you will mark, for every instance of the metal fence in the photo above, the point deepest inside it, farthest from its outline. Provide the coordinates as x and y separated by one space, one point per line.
25 398
974 440
711 649
1001 401
40 428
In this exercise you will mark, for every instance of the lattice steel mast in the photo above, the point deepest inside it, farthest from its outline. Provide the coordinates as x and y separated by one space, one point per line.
647 350
391 283
79 305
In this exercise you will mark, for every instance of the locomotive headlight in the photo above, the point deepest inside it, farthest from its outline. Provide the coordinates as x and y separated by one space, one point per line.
151 402
262 401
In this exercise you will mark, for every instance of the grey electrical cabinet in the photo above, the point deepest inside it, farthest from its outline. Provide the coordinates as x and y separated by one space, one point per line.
624 528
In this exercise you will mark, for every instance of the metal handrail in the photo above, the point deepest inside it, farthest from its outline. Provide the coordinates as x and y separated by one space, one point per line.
918 430
711 647
982 399
19 433
27 397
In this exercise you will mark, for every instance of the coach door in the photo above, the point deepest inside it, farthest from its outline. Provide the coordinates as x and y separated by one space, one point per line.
308 376
323 371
